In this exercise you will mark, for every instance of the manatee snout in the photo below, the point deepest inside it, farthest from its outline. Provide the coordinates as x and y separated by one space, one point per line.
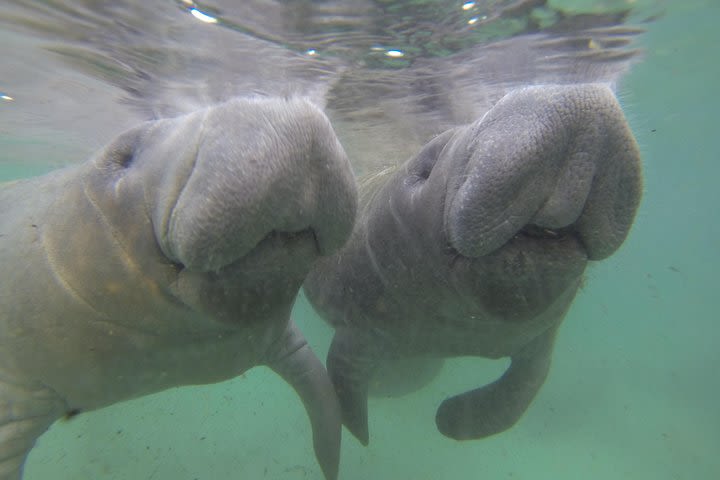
233 198
546 161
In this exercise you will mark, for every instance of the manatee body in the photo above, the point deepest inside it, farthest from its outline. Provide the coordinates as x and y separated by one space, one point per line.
172 257
477 246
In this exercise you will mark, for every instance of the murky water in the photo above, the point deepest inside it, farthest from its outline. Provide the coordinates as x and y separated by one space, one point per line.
632 391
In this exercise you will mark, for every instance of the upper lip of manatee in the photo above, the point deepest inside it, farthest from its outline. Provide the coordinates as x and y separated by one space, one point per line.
290 237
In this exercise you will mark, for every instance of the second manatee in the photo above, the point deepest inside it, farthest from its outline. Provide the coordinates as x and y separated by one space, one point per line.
477 247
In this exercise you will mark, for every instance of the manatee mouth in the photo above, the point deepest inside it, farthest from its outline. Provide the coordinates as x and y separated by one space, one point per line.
535 239
290 243
532 232
542 233
280 243
561 250
275 246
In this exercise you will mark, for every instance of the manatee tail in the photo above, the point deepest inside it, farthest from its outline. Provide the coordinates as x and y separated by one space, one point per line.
296 363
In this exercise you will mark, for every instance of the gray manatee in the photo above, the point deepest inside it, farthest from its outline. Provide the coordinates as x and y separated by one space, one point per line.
172 257
477 246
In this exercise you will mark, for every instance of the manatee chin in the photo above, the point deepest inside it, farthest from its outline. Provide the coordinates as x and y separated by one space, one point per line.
519 280
237 293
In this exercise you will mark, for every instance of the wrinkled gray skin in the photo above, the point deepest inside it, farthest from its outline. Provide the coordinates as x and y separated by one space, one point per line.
477 246
172 257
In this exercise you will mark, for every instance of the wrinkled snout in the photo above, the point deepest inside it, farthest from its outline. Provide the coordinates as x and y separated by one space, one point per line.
543 160
261 168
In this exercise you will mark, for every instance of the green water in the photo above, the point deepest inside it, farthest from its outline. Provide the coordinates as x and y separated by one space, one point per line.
634 388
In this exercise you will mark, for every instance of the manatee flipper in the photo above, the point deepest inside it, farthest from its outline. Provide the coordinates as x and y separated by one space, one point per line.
497 406
298 365
25 413
352 360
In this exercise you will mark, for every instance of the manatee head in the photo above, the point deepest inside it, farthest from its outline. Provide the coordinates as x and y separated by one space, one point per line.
243 197
549 178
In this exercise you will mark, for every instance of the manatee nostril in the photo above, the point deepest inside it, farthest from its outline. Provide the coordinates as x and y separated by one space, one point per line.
124 159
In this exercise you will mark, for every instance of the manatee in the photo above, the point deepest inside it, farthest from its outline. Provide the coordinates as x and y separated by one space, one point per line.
477 246
171 257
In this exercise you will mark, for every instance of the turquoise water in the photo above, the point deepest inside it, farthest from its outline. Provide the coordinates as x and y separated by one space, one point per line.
633 390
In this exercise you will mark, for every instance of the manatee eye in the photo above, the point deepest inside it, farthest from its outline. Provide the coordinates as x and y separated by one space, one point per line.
73 412
421 167
177 267
120 157
425 169
125 159
420 171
